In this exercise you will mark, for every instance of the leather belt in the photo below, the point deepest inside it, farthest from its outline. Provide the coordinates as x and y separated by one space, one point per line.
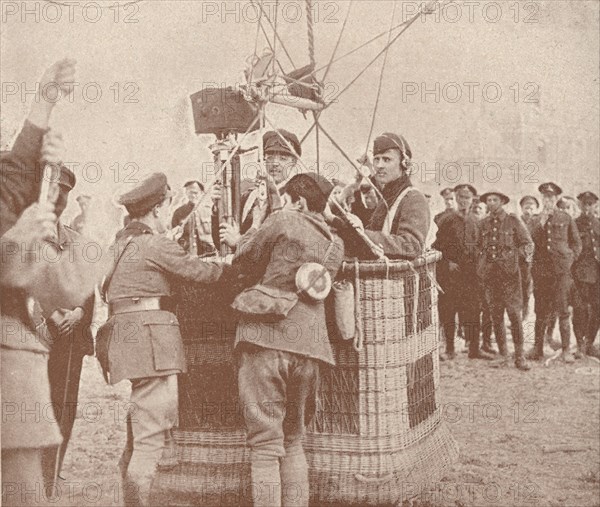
138 304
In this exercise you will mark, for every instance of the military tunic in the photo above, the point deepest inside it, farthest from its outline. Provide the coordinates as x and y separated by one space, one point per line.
557 245
586 271
503 242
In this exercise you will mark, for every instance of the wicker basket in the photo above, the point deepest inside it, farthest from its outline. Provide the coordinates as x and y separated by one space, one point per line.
377 433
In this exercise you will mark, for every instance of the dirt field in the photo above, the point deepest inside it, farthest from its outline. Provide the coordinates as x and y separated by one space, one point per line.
501 418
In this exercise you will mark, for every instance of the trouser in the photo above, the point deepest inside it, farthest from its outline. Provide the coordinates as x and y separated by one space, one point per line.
22 483
64 385
503 293
463 300
586 312
525 269
150 420
278 394
551 292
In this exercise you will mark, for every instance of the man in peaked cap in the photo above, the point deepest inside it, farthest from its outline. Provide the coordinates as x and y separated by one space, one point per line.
400 222
586 271
281 150
557 245
529 206
503 240
68 335
449 205
139 292
457 240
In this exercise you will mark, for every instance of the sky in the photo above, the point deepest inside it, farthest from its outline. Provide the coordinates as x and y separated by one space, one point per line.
483 82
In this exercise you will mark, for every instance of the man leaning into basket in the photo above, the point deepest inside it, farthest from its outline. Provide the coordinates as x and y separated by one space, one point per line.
141 340
282 337
400 222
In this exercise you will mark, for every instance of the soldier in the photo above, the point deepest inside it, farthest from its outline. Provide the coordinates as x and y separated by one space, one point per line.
529 206
141 339
197 224
281 151
449 203
69 340
457 240
503 239
27 273
586 271
557 245
400 223
80 222
277 374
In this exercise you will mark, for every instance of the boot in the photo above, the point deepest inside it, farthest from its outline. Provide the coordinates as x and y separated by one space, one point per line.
537 352
565 338
522 364
581 348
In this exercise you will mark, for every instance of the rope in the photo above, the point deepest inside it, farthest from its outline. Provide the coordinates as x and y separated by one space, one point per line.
358 336
381 77
276 34
338 41
311 34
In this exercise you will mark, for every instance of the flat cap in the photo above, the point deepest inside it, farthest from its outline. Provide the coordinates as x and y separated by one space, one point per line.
273 143
466 186
503 197
588 197
550 188
146 194
390 141
446 192
529 198
83 197
325 186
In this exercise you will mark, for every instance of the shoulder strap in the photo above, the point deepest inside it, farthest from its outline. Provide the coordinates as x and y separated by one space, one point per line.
389 219
108 279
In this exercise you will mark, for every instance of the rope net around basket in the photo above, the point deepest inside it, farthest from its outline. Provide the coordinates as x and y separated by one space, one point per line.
378 416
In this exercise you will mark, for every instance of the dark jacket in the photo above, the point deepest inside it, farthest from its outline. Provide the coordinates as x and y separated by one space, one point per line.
409 225
147 343
272 256
557 244
203 246
586 267
457 240
503 239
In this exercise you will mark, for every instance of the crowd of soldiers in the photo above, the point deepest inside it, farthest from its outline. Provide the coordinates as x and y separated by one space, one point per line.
490 260
291 220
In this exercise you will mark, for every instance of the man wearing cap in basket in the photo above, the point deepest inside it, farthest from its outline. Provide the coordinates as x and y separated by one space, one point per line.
457 240
586 271
400 222
141 340
281 150
557 245
282 338
503 240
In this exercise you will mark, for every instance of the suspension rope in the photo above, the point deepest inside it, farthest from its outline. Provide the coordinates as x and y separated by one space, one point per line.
276 34
258 26
311 34
424 10
338 41
381 78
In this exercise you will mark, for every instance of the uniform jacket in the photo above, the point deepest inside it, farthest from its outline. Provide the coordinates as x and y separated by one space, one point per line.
457 240
272 256
557 244
409 225
586 267
203 237
147 343
82 333
503 239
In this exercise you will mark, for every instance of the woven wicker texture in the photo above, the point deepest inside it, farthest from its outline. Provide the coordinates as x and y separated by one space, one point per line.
377 431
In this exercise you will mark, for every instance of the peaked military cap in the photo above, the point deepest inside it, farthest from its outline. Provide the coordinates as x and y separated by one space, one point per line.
390 141
66 178
529 198
273 143
588 197
550 188
466 186
504 197
446 192
148 193
325 186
